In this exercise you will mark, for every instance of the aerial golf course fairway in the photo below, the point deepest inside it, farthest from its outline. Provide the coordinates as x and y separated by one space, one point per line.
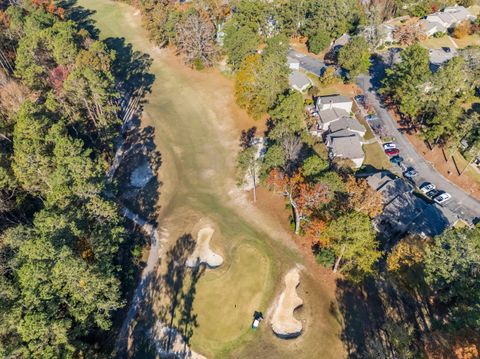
197 127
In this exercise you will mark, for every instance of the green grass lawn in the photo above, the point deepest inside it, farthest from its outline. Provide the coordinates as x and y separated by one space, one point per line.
375 156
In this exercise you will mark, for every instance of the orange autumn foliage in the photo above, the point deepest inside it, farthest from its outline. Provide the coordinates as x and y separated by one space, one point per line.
363 198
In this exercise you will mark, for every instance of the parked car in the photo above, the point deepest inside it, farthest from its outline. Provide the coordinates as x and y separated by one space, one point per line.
427 187
371 117
433 193
396 160
389 146
410 173
442 197
392 151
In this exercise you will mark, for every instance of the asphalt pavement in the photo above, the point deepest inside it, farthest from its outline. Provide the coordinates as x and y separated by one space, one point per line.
462 203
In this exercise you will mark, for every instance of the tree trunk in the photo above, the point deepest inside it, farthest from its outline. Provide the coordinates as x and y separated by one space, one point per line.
295 214
254 185
339 258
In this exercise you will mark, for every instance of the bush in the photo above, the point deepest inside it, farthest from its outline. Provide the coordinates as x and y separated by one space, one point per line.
325 257
318 42
313 91
462 30
440 34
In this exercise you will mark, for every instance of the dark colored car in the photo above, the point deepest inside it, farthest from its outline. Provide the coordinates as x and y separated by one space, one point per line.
396 160
392 151
433 193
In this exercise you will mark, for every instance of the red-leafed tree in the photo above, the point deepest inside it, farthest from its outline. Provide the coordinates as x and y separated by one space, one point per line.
303 197
57 77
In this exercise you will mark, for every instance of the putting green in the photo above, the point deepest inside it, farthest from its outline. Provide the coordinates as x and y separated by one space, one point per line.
224 316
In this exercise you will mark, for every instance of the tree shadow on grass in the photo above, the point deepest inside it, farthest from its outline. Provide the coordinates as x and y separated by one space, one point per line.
81 15
169 317
381 320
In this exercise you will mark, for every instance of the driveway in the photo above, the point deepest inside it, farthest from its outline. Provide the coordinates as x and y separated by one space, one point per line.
308 63
462 204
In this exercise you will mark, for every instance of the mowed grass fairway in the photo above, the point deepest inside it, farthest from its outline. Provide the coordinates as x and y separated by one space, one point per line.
196 127
235 292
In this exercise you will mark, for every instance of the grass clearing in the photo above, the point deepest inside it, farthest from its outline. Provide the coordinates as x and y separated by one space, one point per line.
470 40
375 156
436 42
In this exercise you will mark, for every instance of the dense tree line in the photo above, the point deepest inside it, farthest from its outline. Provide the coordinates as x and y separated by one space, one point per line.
435 102
59 231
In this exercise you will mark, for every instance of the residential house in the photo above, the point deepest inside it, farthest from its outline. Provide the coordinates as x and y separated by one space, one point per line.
299 81
348 147
293 64
348 124
404 212
386 33
439 56
442 21
334 101
345 140
328 116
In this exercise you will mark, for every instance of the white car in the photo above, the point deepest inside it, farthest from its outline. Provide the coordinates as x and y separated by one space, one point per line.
427 187
410 173
442 198
389 146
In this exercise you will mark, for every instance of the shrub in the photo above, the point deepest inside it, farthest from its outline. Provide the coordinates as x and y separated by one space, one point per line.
325 257
440 34
462 30
318 42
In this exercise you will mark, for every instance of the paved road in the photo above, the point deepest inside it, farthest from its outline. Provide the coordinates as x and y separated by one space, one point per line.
462 204
308 63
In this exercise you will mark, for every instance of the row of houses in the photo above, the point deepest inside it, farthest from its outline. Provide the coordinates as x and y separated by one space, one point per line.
438 22
342 133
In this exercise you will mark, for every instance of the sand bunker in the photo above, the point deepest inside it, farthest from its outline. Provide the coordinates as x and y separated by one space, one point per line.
141 175
284 324
202 252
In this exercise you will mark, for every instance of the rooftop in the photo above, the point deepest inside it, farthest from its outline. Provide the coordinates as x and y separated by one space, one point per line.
347 123
333 99
348 147
298 80
331 114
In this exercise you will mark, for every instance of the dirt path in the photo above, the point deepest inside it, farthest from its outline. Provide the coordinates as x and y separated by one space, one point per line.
196 126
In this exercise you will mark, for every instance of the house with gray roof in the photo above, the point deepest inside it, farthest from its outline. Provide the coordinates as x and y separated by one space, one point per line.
329 116
404 212
347 147
299 81
438 57
441 21
348 123
334 101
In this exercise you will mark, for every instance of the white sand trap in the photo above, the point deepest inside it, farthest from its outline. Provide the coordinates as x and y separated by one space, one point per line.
284 324
202 252
141 175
